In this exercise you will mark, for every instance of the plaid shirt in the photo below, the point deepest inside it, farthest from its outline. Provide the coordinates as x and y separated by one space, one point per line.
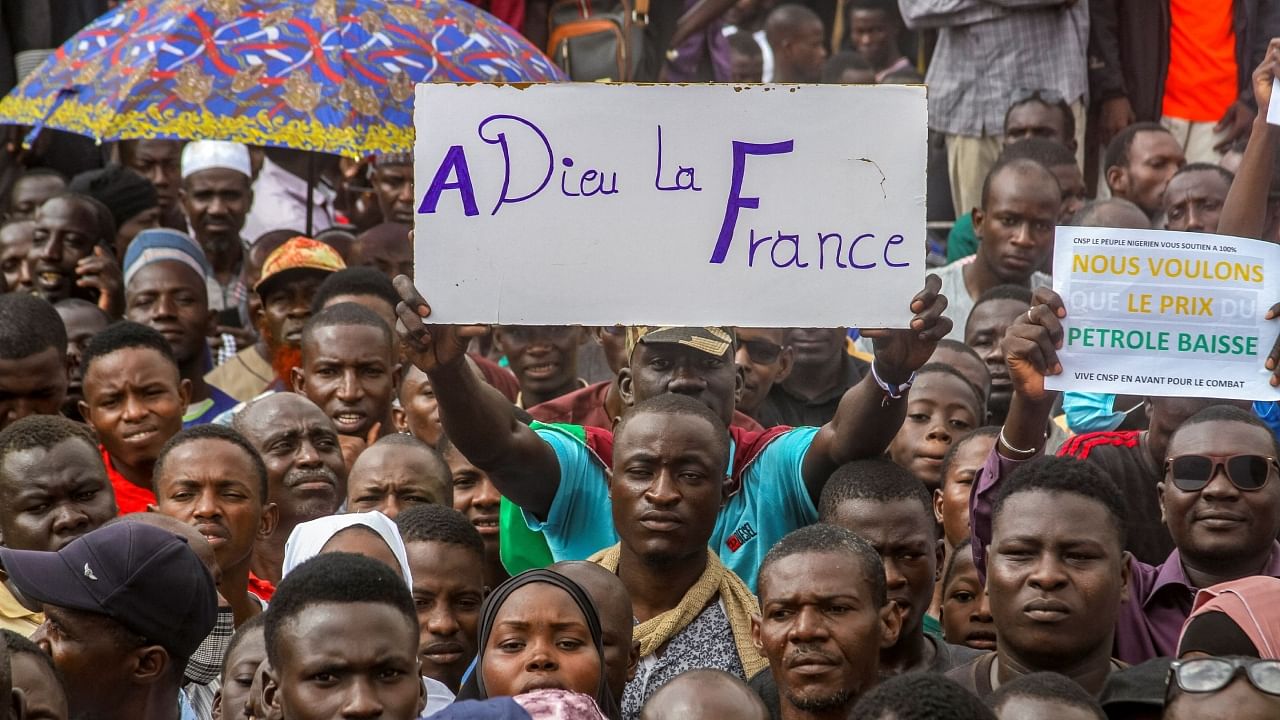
990 50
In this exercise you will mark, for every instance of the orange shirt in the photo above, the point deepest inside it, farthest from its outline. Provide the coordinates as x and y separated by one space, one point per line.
1201 83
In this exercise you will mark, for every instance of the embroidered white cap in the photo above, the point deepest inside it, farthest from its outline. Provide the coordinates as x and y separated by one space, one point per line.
209 154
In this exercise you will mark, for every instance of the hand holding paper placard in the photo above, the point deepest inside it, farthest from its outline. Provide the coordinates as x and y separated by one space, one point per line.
1165 313
1031 352
901 352
429 346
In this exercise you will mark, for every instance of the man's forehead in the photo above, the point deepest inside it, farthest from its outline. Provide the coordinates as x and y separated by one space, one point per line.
815 574
1222 436
1200 182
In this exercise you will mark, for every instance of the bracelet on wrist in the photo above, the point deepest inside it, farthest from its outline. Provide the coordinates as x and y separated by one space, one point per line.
891 392
1022 454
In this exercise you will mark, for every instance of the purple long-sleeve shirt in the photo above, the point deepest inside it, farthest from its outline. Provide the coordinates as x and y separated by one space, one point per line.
1160 596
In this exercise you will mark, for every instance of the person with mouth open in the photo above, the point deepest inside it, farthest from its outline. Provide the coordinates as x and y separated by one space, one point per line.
825 617
212 479
350 368
134 397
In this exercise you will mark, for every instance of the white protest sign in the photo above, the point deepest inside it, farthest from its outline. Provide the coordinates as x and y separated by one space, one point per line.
1273 109
1153 312
670 205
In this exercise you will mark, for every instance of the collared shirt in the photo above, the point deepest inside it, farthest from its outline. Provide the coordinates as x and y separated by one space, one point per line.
232 296
783 407
1160 596
987 52
15 616
280 203
129 497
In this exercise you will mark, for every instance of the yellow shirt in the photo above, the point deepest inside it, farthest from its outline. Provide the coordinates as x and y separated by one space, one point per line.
15 616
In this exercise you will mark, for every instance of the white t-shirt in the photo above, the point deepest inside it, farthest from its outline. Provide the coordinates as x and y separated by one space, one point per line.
959 303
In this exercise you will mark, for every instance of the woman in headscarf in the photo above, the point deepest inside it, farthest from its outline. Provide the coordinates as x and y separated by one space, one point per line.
368 533
373 535
1238 617
540 630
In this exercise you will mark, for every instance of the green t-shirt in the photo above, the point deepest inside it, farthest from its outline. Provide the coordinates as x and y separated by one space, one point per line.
961 241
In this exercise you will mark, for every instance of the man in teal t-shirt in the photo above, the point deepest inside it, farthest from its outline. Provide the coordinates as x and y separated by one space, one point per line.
560 481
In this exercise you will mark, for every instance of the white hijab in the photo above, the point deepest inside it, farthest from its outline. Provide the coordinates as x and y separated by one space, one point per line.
306 539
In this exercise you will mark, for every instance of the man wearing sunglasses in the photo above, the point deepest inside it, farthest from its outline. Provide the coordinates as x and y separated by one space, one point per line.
765 359
1219 492
599 405
1213 688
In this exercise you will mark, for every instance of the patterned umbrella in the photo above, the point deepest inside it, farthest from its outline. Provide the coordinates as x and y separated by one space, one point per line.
333 76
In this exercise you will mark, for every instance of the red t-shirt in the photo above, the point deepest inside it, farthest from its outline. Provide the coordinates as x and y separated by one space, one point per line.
129 497
1201 83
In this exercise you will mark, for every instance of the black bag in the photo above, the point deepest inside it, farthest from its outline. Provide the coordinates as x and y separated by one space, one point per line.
598 39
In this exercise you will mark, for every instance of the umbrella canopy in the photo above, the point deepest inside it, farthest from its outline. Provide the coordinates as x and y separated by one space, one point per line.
332 76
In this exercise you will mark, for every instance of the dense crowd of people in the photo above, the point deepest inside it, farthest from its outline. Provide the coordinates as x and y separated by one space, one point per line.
243 474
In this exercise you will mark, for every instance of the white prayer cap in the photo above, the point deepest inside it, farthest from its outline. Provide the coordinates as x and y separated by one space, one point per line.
209 154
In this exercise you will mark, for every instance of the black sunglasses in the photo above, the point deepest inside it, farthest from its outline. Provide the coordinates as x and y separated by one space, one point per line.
1191 473
1048 97
1211 674
762 352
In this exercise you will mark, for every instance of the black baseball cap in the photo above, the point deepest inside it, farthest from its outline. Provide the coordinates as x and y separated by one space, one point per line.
143 577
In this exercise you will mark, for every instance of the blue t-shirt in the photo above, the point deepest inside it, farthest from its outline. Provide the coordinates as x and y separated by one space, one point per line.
773 501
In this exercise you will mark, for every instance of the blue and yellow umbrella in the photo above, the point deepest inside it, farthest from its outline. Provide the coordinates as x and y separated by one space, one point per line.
333 76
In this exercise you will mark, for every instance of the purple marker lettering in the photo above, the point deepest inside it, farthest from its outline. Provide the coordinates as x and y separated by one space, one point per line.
501 140
894 240
455 161
736 202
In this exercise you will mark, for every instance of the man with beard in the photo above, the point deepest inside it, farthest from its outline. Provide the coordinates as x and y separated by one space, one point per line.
825 617
290 276
306 476
53 489
33 358
247 373
159 161
216 196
